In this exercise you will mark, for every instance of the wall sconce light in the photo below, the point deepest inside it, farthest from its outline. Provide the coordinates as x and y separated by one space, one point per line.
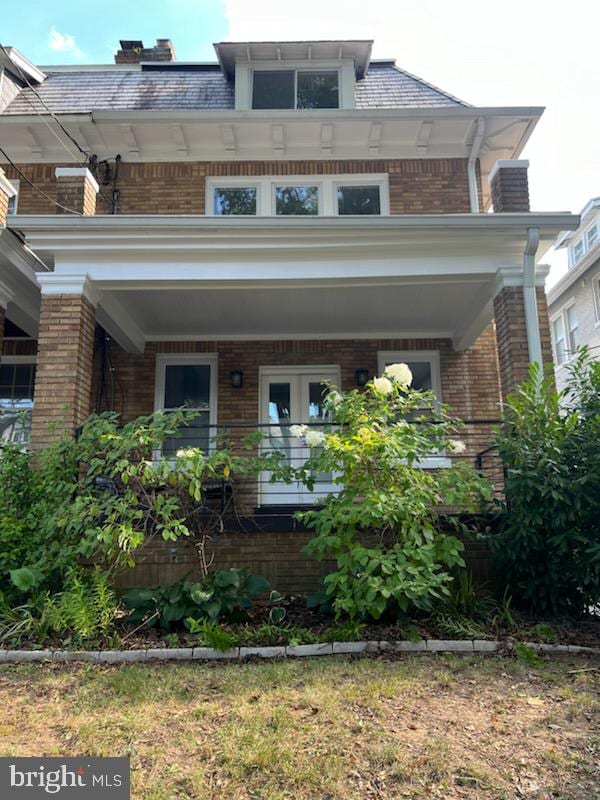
362 377
237 378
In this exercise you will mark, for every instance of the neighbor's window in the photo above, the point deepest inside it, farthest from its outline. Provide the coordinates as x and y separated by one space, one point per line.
187 384
296 200
572 330
577 251
13 202
558 334
592 236
358 200
16 396
288 88
235 200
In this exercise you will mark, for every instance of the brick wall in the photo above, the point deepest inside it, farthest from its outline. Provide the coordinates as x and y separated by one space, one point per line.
510 190
470 383
75 193
64 370
417 186
513 352
262 549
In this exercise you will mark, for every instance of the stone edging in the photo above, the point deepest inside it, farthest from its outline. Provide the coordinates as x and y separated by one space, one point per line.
480 646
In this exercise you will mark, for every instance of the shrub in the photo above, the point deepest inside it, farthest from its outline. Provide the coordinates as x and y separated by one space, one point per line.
224 594
548 547
374 453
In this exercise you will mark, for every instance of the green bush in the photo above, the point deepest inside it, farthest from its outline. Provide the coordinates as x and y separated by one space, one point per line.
374 453
548 547
225 594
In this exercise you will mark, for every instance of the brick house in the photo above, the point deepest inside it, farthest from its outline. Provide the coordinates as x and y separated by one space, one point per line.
229 235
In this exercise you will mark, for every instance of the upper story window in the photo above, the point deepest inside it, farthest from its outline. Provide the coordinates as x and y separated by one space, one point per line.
584 244
13 202
316 195
565 334
295 89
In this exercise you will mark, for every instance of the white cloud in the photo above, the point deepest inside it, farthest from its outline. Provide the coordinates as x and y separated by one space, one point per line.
63 43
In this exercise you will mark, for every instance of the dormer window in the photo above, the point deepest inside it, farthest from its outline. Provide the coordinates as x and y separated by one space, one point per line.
295 89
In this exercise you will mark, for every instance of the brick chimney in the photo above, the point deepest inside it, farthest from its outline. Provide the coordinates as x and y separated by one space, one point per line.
76 189
509 185
133 51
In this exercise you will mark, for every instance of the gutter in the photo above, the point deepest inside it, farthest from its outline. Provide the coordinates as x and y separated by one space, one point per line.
472 165
534 342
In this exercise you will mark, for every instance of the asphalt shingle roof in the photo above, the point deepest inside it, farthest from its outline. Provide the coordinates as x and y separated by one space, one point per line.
385 86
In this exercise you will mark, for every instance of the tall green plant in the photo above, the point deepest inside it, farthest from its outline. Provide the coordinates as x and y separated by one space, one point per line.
548 548
382 526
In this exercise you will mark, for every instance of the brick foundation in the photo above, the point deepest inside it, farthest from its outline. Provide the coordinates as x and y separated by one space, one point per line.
64 370
275 552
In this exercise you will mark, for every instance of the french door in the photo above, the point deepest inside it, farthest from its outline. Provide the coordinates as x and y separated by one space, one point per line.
293 396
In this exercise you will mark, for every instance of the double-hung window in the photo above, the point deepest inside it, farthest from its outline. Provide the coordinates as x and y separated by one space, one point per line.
295 89
188 382
316 195
565 334
424 365
17 380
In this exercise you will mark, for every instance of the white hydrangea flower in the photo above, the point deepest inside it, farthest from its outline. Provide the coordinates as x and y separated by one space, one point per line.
335 398
400 373
314 438
189 453
383 385
298 430
456 446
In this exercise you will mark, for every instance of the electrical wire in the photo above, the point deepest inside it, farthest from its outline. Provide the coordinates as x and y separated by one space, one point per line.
37 188
48 109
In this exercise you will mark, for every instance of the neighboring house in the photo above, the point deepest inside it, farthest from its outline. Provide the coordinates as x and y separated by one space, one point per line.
230 235
574 301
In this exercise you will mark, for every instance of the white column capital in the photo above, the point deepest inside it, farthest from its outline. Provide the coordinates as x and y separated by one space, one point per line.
53 283
77 172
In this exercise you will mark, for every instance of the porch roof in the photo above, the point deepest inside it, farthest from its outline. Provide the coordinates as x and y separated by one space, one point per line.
169 278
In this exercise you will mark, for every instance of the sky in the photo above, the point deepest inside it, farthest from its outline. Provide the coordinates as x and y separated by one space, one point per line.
516 52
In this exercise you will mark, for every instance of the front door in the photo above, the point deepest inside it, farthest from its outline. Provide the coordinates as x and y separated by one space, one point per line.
293 396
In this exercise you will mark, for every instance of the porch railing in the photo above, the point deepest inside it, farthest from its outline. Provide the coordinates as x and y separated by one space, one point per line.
477 436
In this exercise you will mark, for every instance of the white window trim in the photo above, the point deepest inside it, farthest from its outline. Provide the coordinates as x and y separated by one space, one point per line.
562 313
438 461
327 185
596 296
583 241
16 184
402 356
244 80
163 360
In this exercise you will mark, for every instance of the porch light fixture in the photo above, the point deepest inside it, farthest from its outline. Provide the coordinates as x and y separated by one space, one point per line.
237 378
362 377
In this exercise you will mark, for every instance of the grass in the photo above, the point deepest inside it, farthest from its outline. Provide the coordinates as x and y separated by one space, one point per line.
321 729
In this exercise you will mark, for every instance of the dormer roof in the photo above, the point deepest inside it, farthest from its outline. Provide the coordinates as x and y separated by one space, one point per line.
359 50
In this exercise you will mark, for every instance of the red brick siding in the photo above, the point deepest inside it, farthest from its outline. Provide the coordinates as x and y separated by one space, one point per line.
64 369
75 193
510 190
417 186
511 335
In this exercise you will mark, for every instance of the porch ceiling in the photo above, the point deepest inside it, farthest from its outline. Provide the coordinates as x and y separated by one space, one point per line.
385 309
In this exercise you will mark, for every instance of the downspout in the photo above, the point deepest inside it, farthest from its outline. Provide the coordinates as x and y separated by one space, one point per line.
534 343
472 163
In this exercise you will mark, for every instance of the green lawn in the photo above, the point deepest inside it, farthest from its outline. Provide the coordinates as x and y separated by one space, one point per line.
322 729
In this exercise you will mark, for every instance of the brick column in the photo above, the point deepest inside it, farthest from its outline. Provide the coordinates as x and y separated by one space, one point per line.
511 335
509 186
76 189
64 363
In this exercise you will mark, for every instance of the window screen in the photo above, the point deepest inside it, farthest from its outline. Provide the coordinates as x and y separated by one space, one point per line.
317 90
188 386
358 200
235 201
273 89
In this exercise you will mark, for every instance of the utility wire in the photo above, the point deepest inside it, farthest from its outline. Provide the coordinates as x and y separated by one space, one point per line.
37 188
48 109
